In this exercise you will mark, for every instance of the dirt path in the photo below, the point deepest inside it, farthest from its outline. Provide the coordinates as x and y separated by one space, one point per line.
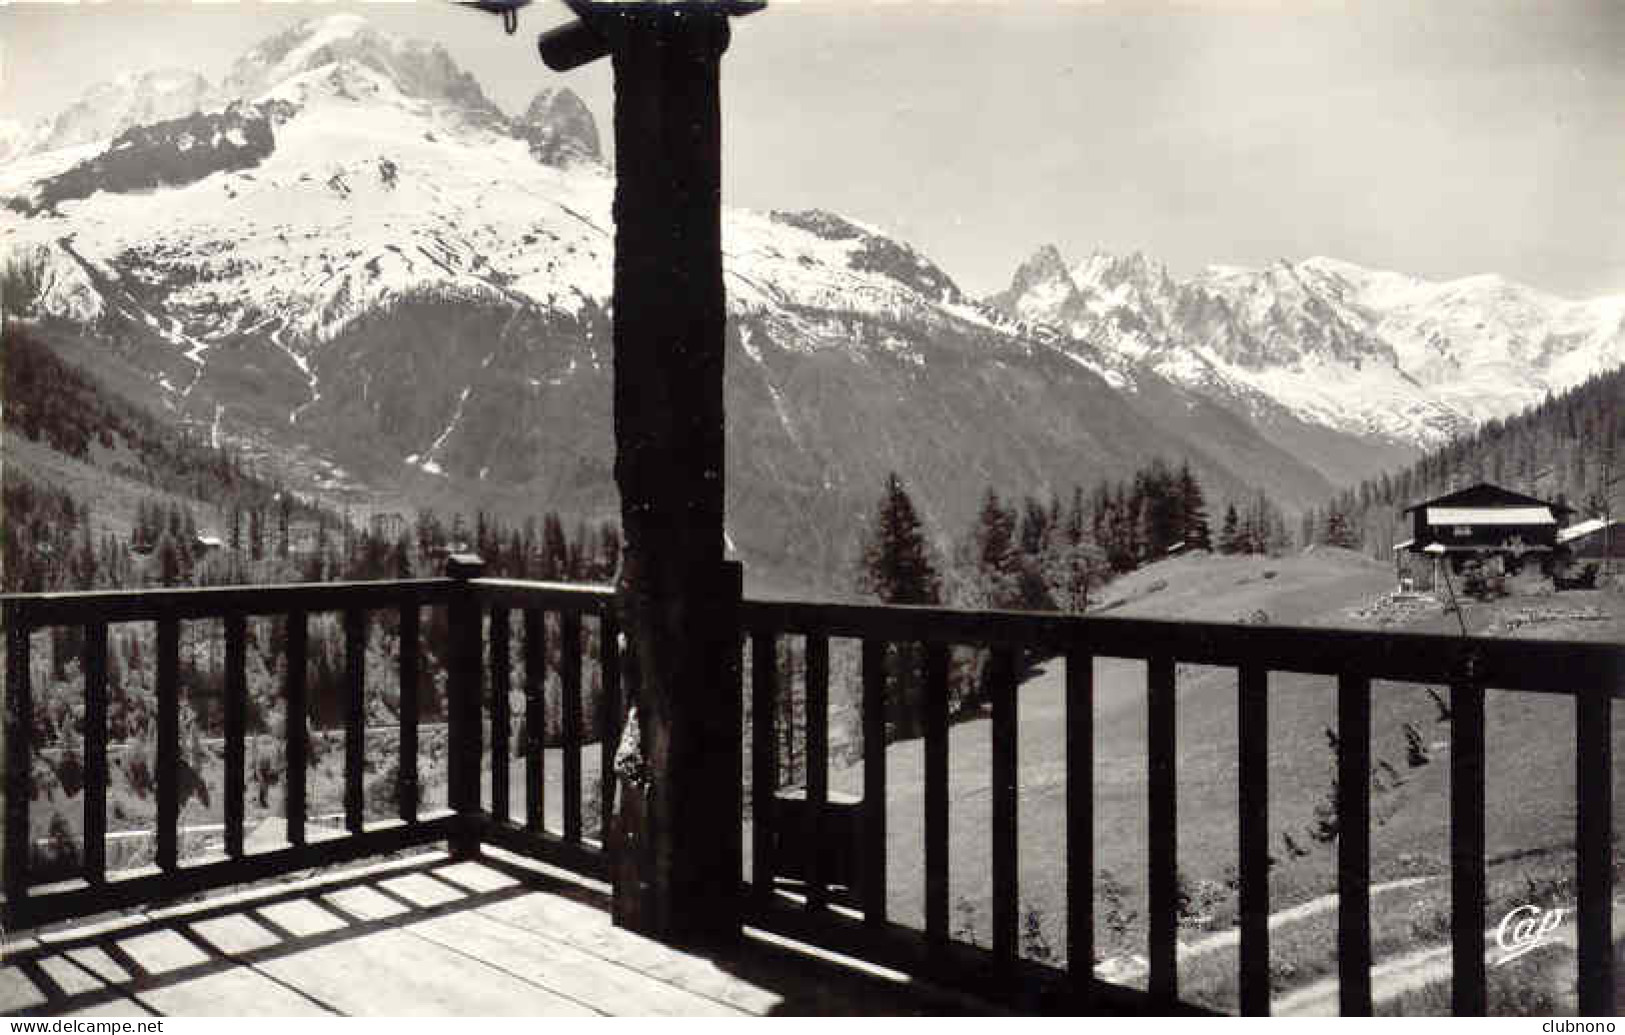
1302 911
1397 975
1123 968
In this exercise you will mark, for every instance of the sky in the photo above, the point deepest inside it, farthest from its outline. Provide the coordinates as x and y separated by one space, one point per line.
1443 138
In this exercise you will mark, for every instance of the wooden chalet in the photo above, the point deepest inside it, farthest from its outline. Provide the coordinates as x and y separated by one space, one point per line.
1488 523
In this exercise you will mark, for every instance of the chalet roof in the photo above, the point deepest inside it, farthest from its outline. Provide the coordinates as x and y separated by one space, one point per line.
1486 495
1581 529
1541 515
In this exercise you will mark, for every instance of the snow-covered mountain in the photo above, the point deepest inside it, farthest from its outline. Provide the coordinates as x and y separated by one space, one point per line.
347 258
1381 356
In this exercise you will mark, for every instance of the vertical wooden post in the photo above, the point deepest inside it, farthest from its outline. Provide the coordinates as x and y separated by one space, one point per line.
874 783
1593 844
1253 823
236 729
1467 985
95 796
169 743
19 787
678 871
1354 844
1162 838
465 674
1080 826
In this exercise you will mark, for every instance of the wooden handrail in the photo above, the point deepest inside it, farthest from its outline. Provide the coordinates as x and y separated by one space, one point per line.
1543 666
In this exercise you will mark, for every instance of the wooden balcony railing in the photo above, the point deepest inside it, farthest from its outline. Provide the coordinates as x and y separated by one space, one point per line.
480 617
1592 674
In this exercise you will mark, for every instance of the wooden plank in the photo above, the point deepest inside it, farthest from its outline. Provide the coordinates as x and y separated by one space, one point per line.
874 781
609 718
95 827
501 726
295 733
817 766
1548 666
570 679
236 730
19 785
355 718
1080 826
535 718
151 605
1252 709
1593 843
88 899
1467 986
1354 845
169 741
936 794
1162 834
406 785
1005 845
764 754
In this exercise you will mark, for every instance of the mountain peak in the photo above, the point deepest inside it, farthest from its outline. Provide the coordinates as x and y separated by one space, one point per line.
1043 266
559 128
133 99
422 71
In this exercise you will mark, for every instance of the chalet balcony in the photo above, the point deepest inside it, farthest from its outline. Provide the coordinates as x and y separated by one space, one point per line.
492 860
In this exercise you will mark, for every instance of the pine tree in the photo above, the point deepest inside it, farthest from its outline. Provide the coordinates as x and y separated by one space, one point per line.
1230 540
1193 504
897 566
997 563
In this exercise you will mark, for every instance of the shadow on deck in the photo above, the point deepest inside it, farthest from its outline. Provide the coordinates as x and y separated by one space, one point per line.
428 936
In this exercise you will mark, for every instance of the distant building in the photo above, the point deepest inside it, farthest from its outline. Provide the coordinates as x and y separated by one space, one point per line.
1485 523
1593 539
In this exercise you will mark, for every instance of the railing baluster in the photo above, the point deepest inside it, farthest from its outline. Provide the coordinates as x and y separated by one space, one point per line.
570 660
535 717
169 741
817 786
1467 985
1005 845
1354 844
406 785
764 754
465 671
1593 844
501 733
294 726
1162 839
873 862
95 669
936 795
609 718
1253 804
236 720
355 718
19 736
1080 825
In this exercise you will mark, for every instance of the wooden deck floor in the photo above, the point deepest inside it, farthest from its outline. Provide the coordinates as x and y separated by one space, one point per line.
427 936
